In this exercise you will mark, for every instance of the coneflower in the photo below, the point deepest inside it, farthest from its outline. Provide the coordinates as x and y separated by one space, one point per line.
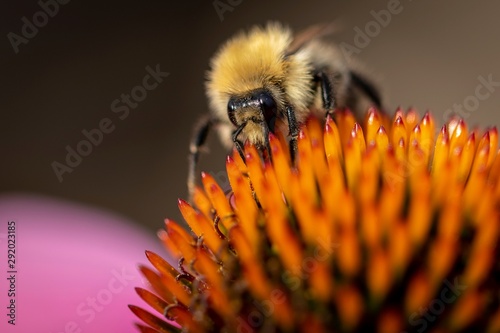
378 227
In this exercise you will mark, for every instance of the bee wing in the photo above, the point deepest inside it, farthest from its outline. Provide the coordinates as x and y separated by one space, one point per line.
313 32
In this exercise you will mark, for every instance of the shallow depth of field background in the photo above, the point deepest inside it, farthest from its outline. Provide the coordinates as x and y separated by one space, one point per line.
430 56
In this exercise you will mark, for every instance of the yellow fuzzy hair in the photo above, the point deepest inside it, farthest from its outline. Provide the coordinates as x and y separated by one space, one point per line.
257 60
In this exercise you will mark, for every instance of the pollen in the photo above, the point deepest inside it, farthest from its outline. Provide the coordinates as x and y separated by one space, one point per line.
390 225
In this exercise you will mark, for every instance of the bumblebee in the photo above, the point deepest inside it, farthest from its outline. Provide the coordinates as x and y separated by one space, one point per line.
268 80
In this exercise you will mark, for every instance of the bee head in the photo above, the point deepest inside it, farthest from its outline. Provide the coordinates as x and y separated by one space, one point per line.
258 106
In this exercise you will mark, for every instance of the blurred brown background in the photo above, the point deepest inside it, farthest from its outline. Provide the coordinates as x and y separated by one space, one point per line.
64 79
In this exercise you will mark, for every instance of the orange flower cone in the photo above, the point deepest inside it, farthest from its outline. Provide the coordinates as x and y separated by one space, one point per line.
378 227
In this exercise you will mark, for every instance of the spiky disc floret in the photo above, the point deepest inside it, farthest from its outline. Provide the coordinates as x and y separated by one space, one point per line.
378 228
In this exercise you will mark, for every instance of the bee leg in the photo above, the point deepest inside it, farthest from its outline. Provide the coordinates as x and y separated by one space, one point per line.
237 143
293 128
239 147
266 143
198 139
327 91
368 88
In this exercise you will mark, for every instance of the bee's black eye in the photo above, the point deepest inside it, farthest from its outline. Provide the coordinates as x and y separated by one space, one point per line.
258 99
232 105
268 107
